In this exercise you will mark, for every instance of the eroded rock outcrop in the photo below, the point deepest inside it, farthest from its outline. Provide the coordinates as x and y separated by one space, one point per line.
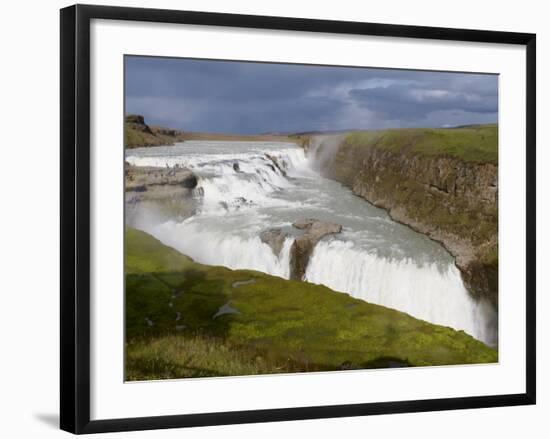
168 192
303 245
152 183
275 238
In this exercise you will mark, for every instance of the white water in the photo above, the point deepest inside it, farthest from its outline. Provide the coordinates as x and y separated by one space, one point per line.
215 247
426 291
247 187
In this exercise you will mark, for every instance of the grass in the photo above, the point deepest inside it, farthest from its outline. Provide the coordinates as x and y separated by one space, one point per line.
134 138
144 254
477 143
173 328
196 356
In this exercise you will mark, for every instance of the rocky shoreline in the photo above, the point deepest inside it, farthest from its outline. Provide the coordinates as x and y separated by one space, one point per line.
168 192
148 183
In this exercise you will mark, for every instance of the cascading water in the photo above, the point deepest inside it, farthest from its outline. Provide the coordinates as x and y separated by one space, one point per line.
428 291
247 187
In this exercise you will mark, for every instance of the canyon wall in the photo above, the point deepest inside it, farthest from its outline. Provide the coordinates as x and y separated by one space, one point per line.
440 182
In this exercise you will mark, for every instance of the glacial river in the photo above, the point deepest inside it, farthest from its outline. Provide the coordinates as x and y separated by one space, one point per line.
247 187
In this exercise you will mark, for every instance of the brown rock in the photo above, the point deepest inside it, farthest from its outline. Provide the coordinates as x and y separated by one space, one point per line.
275 238
137 176
302 248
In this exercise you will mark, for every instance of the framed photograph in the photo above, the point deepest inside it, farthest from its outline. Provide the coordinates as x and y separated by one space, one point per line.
273 218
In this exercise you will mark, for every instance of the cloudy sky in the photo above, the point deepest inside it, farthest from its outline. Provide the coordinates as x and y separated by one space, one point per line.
248 98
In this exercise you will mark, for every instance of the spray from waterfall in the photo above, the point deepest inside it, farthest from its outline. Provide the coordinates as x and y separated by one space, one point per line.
322 149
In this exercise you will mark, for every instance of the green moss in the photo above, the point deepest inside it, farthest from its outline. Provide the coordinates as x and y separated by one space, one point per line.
472 143
143 254
174 329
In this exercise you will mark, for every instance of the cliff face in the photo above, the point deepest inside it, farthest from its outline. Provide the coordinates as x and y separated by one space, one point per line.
450 196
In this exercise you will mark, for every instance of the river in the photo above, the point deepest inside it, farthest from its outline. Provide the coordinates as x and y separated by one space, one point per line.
247 187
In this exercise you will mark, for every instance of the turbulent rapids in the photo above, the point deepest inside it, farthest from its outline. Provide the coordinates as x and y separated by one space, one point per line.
245 188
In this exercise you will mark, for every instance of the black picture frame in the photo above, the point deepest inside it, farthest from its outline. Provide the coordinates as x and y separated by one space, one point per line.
75 217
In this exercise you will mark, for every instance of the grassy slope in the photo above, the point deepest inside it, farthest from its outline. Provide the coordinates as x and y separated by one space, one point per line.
282 325
472 143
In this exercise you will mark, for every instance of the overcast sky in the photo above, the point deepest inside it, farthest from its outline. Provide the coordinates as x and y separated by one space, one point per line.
248 98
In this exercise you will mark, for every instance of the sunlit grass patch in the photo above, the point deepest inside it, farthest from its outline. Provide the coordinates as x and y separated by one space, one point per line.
477 143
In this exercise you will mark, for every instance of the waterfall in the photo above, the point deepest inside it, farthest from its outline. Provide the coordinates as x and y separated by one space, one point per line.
426 291
245 188
208 245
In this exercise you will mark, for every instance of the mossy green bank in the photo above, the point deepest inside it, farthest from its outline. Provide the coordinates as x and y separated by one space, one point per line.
476 143
184 319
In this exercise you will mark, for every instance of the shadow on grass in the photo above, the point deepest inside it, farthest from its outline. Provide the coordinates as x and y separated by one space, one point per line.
167 303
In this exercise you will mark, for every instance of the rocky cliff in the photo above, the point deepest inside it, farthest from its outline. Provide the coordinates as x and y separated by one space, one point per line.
441 182
137 133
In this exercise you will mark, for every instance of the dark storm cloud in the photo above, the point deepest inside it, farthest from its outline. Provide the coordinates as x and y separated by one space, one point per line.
241 97
410 103
229 79
429 92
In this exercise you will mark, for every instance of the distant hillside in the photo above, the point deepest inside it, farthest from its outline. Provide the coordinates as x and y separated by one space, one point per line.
138 134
